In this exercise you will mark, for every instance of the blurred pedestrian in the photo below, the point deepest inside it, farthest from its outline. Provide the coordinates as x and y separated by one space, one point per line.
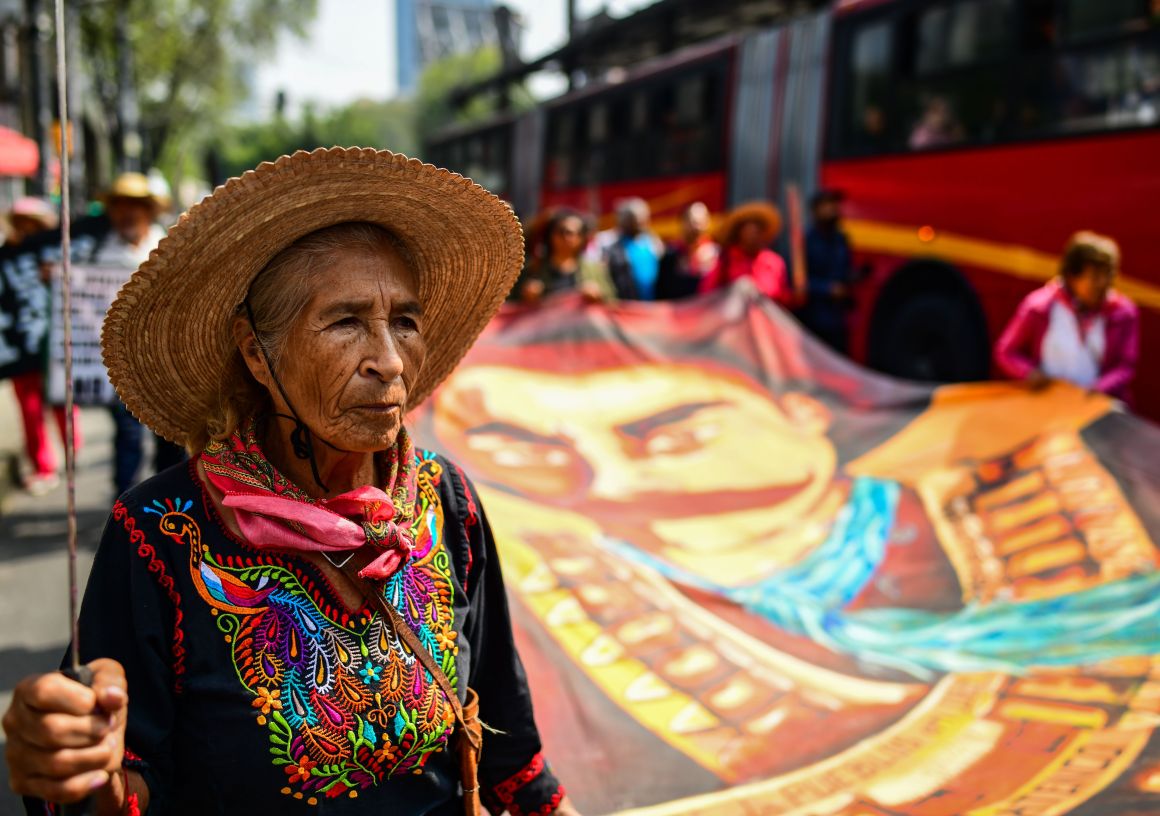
559 263
688 260
133 205
1076 327
746 235
632 252
28 217
831 271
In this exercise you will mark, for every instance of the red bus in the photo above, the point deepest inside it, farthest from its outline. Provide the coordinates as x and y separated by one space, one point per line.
970 137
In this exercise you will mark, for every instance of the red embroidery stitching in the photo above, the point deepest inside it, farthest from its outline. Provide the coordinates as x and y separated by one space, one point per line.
164 580
506 791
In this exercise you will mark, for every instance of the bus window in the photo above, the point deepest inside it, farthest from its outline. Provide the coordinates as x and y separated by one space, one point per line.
866 126
1083 19
958 91
1090 89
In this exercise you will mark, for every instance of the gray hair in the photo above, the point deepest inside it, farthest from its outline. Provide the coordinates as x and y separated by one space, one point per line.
635 208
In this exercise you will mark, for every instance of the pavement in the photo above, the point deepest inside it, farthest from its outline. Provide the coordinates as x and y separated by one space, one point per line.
34 622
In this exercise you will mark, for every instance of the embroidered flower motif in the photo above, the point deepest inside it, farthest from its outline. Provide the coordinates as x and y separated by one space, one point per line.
301 771
389 755
266 701
371 673
336 790
446 639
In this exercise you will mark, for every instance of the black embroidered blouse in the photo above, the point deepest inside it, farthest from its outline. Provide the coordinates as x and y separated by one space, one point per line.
253 689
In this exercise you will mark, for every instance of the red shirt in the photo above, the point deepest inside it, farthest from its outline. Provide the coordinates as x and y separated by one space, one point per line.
767 270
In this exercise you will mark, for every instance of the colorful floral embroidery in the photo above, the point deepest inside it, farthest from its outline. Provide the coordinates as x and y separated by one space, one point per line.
345 703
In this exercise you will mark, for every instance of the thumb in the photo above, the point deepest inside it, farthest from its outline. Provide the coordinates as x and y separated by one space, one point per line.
109 685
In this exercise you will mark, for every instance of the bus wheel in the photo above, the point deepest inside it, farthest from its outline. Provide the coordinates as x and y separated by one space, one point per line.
936 333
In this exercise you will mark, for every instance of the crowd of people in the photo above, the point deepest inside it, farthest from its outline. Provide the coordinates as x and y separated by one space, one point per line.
1076 328
630 262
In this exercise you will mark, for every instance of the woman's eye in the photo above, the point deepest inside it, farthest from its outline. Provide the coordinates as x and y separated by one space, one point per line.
345 323
406 324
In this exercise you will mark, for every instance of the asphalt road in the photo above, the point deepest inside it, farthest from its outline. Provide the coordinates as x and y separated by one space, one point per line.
33 561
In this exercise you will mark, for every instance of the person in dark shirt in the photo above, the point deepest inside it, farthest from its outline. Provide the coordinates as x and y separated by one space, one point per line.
559 264
310 616
688 260
830 267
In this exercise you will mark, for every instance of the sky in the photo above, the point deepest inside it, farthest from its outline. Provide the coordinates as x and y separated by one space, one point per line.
349 52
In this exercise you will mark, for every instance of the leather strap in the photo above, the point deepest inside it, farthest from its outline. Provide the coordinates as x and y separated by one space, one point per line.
469 736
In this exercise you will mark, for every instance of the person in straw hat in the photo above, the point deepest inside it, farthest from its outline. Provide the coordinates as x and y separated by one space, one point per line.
745 236
311 613
133 204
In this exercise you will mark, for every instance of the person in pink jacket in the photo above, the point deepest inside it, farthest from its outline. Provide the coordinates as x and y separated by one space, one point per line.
1076 327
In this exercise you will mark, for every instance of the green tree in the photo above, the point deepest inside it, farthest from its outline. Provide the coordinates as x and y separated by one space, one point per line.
434 109
185 61
364 123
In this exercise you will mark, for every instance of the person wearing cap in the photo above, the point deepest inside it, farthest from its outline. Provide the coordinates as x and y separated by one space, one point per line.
831 272
311 615
745 237
28 217
133 204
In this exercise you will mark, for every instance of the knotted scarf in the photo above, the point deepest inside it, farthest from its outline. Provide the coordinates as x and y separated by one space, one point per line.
275 514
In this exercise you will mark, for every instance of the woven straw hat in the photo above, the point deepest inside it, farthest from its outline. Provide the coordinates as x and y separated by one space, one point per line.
761 212
166 339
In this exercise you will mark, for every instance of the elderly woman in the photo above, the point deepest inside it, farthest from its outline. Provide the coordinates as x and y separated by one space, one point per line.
304 616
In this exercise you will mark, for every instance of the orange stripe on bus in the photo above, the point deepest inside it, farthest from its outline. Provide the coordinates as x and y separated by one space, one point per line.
1009 259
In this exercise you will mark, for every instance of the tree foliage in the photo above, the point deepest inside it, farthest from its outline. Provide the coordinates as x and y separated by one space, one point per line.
364 123
185 60
433 106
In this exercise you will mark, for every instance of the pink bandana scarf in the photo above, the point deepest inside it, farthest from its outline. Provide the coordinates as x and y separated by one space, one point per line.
275 514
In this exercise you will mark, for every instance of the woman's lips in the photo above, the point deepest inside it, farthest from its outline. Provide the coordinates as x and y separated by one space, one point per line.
378 407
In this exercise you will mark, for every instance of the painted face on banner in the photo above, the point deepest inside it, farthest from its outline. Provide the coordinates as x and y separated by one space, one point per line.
674 458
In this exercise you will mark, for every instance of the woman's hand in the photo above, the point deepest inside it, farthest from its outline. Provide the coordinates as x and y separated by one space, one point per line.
590 291
1037 380
66 741
532 291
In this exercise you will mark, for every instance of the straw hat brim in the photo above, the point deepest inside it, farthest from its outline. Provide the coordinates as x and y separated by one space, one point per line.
760 212
167 338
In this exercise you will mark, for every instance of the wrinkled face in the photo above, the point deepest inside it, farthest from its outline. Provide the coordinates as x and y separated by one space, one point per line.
130 218
676 457
1090 287
353 353
568 237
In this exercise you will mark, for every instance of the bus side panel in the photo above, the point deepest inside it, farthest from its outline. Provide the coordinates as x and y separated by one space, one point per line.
666 197
1002 214
752 120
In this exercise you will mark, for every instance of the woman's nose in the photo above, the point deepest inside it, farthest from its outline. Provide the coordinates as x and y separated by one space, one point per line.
381 358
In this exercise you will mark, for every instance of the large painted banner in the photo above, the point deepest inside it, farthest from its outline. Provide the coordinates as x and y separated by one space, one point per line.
750 577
